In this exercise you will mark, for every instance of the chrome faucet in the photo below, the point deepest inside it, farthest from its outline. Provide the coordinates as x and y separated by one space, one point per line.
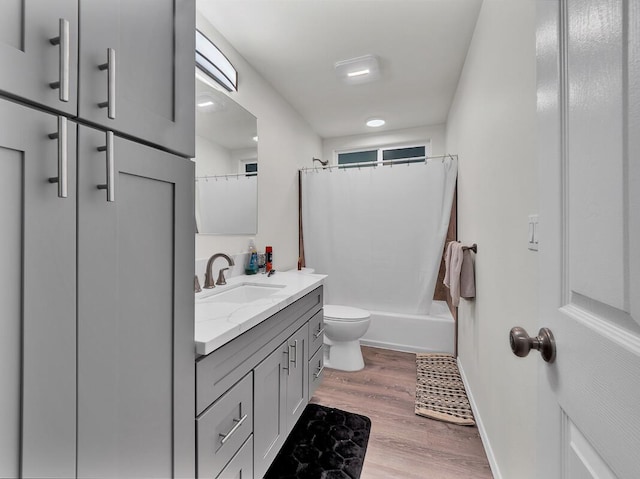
208 275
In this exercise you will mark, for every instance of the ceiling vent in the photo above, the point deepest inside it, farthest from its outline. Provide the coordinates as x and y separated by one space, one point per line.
358 70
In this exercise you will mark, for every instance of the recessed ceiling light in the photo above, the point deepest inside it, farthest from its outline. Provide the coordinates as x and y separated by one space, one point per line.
375 122
255 138
358 70
208 103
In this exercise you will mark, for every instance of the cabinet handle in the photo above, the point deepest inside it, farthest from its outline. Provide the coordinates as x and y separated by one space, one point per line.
110 66
286 368
110 185
295 354
317 334
63 40
225 437
62 177
319 372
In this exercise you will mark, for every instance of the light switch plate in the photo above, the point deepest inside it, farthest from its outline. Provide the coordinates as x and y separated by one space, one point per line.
533 233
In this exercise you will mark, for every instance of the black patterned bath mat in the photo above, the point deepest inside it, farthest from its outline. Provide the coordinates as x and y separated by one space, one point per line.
440 392
325 443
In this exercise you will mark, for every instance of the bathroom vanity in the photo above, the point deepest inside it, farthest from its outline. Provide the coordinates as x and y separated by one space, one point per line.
260 359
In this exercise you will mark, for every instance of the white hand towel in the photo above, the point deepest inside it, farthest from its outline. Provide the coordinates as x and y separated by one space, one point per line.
447 262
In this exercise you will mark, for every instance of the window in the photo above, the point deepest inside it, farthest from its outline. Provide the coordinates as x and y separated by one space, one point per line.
358 157
411 154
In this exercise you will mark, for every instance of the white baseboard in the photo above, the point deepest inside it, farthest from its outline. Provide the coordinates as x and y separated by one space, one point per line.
483 433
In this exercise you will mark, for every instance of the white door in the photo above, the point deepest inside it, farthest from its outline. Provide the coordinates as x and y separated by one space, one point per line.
589 126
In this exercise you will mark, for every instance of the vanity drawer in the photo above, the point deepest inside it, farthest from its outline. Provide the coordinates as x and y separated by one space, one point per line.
241 466
224 428
316 371
316 332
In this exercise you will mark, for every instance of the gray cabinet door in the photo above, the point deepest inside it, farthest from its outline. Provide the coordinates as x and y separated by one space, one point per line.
135 312
269 427
297 387
30 62
153 67
37 298
241 466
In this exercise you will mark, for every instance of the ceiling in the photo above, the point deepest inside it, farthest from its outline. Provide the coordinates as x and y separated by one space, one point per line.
221 121
294 45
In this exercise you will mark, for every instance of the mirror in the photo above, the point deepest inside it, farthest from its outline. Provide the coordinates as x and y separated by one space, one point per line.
226 163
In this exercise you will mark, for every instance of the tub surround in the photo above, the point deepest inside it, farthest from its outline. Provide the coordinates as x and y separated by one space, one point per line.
217 323
420 333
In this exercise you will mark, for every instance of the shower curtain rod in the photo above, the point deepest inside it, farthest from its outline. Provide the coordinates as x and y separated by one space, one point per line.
382 163
230 175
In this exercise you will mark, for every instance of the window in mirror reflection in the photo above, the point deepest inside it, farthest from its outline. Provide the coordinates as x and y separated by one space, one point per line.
251 169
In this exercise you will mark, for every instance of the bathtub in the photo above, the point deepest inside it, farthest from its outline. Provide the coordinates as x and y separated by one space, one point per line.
413 333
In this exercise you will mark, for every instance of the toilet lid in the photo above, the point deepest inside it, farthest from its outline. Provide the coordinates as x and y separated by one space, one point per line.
345 313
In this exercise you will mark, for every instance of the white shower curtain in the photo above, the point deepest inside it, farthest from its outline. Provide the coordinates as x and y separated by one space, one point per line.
378 232
227 205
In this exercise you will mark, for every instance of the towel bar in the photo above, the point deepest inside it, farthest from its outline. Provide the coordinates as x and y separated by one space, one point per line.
473 247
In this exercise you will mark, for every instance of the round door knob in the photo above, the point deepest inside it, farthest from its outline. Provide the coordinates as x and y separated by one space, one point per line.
522 343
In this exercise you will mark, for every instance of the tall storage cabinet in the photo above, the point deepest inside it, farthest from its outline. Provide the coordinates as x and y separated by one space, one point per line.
37 299
30 62
134 64
96 304
151 92
135 315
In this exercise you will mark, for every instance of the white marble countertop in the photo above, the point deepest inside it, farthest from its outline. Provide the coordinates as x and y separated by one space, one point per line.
218 322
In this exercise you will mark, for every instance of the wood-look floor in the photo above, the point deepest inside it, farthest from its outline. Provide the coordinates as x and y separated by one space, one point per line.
402 445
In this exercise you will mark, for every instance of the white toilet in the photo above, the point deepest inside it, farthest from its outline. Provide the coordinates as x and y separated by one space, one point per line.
343 328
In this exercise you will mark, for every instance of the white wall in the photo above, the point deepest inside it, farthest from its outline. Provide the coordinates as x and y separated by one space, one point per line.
435 133
286 143
492 126
212 159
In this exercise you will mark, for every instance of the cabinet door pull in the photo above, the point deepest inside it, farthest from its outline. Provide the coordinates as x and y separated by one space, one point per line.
318 333
225 437
63 40
286 366
110 185
295 354
62 177
110 66
318 373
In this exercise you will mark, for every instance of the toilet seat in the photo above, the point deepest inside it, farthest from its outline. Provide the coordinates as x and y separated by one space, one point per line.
344 313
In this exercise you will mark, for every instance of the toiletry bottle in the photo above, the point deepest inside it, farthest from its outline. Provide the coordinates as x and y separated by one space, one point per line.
252 266
268 251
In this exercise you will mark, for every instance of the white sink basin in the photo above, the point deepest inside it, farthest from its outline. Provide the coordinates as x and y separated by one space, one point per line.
243 293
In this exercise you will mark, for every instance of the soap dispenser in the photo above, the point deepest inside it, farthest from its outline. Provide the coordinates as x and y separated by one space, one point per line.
252 265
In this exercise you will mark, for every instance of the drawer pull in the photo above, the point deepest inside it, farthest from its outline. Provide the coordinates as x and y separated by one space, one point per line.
318 333
319 373
238 422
